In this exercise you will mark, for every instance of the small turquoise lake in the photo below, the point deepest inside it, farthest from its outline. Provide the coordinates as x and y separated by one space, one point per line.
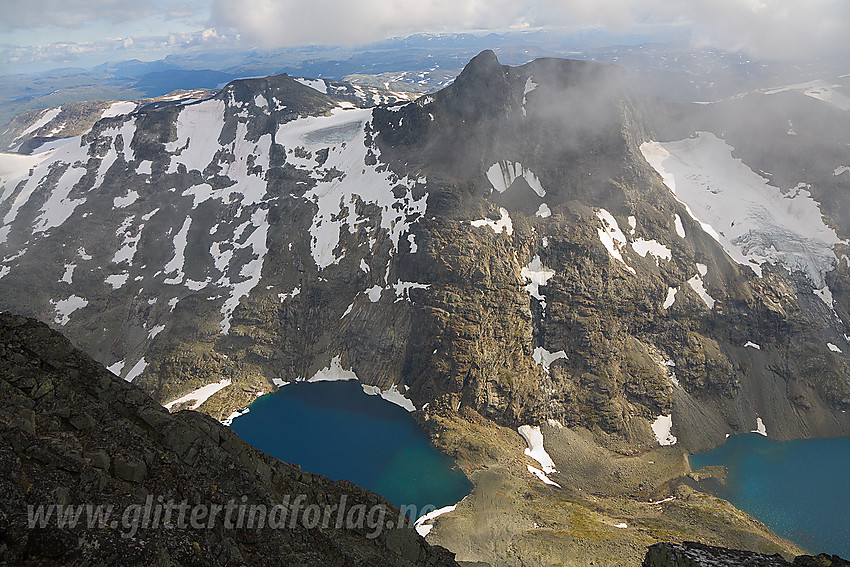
336 430
801 489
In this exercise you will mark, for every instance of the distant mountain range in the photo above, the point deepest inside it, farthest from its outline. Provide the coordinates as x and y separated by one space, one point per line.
418 63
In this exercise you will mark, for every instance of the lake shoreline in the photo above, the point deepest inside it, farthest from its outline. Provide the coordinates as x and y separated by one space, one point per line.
345 434
797 487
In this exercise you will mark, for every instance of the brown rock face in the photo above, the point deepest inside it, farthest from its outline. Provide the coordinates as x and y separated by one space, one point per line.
73 436
479 246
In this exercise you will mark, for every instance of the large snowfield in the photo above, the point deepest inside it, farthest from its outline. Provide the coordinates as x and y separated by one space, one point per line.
754 222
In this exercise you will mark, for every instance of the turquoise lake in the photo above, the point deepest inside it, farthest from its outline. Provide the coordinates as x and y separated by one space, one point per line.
336 430
801 489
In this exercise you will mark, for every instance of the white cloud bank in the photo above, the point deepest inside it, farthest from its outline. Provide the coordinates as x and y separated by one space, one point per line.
767 28
63 29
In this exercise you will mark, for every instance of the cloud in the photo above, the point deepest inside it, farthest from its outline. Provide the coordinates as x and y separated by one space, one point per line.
69 13
69 52
785 29
34 14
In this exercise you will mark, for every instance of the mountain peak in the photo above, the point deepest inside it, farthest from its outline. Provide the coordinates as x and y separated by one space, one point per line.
483 86
484 65
486 57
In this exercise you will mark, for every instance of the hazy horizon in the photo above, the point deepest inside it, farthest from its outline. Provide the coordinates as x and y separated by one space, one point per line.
45 34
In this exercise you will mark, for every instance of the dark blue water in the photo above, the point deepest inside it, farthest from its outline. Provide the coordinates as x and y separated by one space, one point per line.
335 429
801 489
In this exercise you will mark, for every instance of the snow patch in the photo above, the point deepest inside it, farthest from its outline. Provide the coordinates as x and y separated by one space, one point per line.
760 428
155 330
543 357
653 247
333 373
228 421
751 344
534 438
612 237
117 367
391 395
284 296
680 229
698 286
198 130
128 247
41 122
542 476
818 89
200 395
347 311
662 427
64 308
530 85
118 108
136 371
122 202
833 347
670 299
250 272
13 169
825 295
59 206
504 224
537 274
503 174
315 84
374 293
176 263
68 276
421 525
402 289
337 197
543 211
116 281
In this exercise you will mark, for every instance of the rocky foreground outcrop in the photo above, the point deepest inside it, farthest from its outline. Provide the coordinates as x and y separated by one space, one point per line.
692 554
73 436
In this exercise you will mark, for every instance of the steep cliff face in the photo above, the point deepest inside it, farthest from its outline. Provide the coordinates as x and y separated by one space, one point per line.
506 244
658 320
74 438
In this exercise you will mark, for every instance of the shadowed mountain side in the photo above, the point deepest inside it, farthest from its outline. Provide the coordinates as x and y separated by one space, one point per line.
74 434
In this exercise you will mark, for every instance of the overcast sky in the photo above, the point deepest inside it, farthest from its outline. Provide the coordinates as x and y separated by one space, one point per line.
63 31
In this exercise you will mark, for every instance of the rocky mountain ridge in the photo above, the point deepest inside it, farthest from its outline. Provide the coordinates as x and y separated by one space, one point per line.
74 436
40 129
503 244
